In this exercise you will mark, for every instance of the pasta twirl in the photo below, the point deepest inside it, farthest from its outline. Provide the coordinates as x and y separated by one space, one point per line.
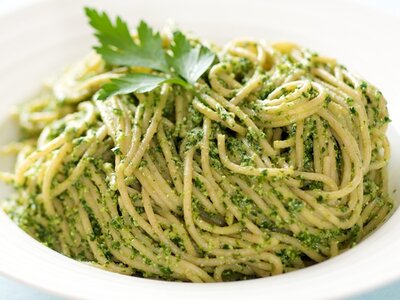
276 161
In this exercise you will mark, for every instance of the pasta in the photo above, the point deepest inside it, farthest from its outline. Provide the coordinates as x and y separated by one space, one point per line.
276 161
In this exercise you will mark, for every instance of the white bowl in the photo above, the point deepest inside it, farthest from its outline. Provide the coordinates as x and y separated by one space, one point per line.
39 40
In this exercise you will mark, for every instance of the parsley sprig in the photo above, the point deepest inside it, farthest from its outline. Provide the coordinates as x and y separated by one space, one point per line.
183 65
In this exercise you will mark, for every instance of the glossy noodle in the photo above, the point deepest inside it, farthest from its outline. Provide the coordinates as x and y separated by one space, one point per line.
276 161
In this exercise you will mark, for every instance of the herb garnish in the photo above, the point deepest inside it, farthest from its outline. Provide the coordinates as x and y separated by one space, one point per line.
183 65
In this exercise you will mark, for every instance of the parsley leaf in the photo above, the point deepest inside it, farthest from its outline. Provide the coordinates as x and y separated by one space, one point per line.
184 65
189 62
135 83
118 48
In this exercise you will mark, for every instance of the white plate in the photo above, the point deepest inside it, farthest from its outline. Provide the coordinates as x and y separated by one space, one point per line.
39 40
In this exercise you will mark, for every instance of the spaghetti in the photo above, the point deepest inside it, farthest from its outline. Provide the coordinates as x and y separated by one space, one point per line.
277 161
